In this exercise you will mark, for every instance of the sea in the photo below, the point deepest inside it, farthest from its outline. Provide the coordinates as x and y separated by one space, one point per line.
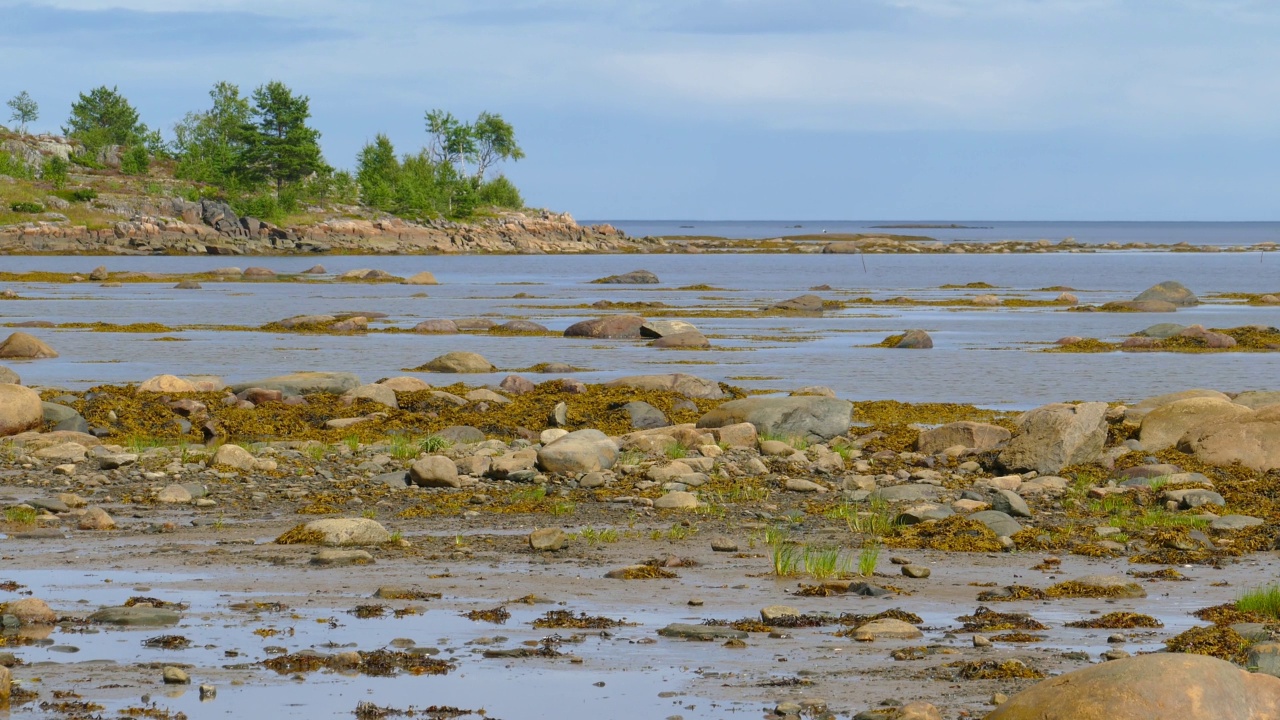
992 357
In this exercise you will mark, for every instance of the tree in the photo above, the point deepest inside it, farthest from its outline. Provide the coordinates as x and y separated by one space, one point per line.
452 141
104 117
210 145
494 140
378 173
25 110
281 147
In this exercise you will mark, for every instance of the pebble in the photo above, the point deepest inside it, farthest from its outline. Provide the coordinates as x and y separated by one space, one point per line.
176 676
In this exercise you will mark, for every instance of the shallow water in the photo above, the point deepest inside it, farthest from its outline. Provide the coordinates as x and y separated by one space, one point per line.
985 356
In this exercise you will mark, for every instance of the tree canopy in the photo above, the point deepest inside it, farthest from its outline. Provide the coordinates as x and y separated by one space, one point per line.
104 117
25 110
281 146
210 144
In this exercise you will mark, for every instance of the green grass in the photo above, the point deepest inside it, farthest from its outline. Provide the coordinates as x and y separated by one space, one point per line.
873 518
630 457
1263 600
787 559
138 444
563 508
868 559
533 494
592 536
20 515
825 563
676 450
434 444
674 533
352 442
844 450
396 537
316 451
1156 518
794 441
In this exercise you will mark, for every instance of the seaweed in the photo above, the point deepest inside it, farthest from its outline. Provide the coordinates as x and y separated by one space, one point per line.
955 533
994 670
986 620
582 621
1215 641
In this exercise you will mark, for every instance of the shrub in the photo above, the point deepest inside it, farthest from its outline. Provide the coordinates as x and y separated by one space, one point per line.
84 194
55 171
136 161
263 206
13 167
500 192
27 207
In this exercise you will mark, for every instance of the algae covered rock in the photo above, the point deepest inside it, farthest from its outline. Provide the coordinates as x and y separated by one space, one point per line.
1170 291
635 277
691 386
802 417
1166 424
1149 687
348 531
611 327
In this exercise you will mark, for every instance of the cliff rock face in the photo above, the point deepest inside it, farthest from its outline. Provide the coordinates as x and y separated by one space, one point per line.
178 226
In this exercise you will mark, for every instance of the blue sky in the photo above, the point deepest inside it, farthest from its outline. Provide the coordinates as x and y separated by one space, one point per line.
738 109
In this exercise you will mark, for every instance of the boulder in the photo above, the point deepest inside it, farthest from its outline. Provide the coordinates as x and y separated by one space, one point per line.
349 531
1251 440
31 611
136 616
1254 399
802 417
458 362
685 340
435 471
578 452
1159 686
22 345
20 410
1162 331
188 285
635 277
166 384
1135 413
1166 424
9 377
1170 291
999 523
974 435
644 416
381 394
887 629
404 383
547 539
437 327
913 340
1054 436
516 327
304 383
95 518
663 328
801 305
611 327
690 386
233 456
678 500
516 385
422 278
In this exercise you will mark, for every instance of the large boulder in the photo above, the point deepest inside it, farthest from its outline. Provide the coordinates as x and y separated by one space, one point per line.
1251 440
663 328
458 362
22 345
9 377
975 435
611 327
1134 413
804 417
304 383
1255 399
435 471
1169 291
1149 687
437 327
20 410
691 339
913 340
635 277
691 386
422 278
376 392
578 452
1054 436
166 384
349 531
1166 424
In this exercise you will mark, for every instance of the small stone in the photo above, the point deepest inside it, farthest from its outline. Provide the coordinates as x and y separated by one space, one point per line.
338 558
678 500
981 641
208 692
96 519
887 628
1115 654
775 612
916 571
999 698
547 539
696 602
721 543
176 676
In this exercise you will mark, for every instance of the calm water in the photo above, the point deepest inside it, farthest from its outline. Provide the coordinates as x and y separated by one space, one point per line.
989 357
1165 233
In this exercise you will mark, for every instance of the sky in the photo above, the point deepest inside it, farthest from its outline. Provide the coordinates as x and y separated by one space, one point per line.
736 109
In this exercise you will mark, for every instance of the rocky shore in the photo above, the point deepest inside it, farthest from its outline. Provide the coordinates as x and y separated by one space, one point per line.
752 523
